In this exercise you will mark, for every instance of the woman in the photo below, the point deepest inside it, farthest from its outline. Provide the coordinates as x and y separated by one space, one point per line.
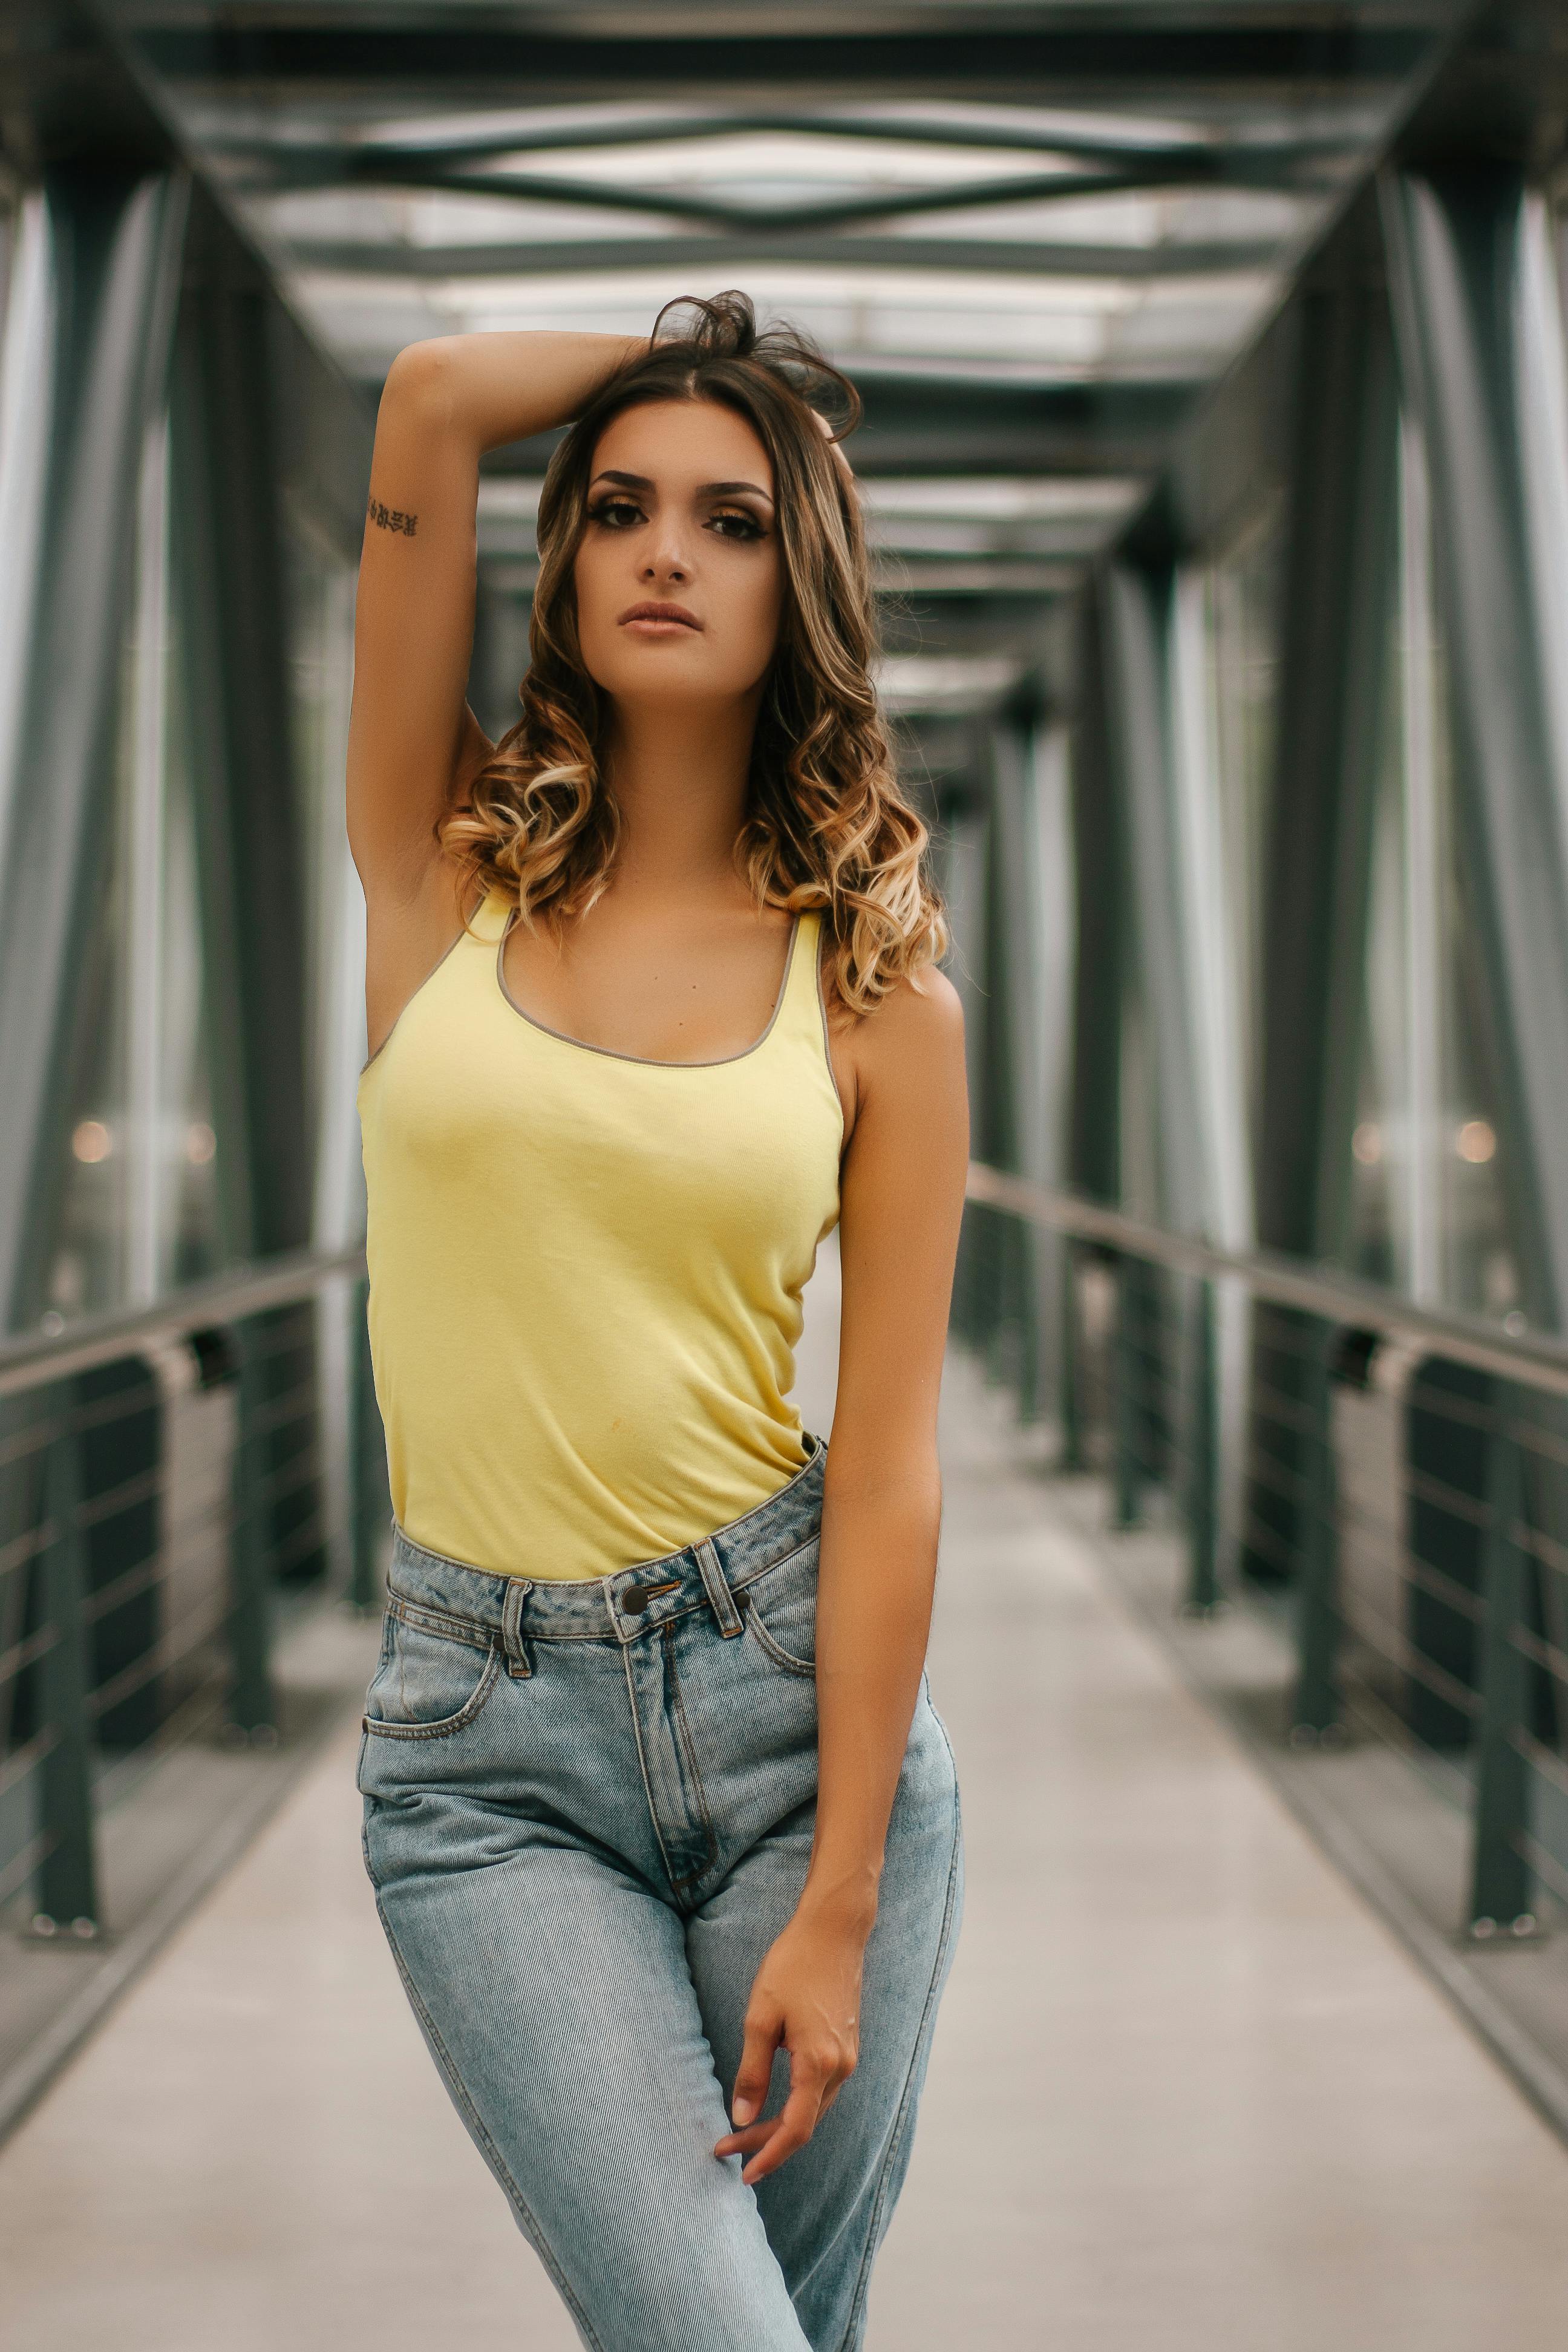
656 1802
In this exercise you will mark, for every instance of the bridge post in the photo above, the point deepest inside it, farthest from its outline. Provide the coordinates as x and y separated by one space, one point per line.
1501 1880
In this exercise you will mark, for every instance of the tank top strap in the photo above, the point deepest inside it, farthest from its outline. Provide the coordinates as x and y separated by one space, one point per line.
800 1009
488 920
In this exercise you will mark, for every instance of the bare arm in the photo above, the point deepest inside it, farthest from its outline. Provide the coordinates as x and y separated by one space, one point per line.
410 733
902 1197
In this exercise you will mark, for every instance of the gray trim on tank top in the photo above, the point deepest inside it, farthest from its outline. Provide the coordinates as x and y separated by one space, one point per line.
647 1061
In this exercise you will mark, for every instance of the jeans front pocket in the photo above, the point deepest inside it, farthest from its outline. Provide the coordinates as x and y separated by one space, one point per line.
428 1684
779 1609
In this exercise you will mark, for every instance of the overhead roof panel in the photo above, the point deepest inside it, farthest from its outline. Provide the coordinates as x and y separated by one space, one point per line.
1033 231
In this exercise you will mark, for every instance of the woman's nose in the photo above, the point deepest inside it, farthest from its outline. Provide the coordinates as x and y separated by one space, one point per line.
667 562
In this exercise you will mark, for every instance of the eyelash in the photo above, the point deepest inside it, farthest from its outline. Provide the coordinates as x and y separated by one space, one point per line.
611 507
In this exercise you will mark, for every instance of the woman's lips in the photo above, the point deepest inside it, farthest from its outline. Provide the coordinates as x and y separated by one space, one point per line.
658 619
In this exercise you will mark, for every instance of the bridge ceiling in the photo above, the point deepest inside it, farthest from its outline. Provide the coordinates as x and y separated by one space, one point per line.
1032 233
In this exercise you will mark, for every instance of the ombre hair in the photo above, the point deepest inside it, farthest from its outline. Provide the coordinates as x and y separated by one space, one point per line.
826 823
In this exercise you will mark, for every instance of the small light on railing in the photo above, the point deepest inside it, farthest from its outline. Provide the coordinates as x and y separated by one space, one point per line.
1516 1324
200 1143
1476 1142
51 1323
92 1140
1367 1143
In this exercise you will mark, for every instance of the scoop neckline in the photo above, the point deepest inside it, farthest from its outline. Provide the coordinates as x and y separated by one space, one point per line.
646 1061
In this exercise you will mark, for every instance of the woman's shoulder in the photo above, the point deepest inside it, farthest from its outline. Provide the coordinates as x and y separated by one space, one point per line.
910 1041
919 1008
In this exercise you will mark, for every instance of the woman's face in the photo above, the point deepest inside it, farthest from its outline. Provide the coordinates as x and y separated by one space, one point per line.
677 576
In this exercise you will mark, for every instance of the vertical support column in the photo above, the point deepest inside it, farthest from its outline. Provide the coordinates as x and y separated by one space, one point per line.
1501 1880
1478 317
1094 1163
338 1214
1459 248
66 1884
1202 1497
1049 852
147 1206
1002 1107
118 244
966 865
27 401
1137 630
1214 984
1342 542
234 617
234 620
1317 1710
1070 1405
252 1706
1126 1405
1423 869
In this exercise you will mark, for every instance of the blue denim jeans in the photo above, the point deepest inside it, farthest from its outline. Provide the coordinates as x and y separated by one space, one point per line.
588 1812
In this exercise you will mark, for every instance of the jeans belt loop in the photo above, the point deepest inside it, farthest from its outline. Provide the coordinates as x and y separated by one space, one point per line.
717 1586
511 1641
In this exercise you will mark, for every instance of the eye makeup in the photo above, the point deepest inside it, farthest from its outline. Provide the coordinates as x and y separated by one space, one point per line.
739 511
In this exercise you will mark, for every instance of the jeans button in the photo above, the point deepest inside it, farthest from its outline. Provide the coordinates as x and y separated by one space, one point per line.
633 1599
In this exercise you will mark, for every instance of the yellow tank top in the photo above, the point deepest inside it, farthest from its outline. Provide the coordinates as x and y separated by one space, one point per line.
585 1269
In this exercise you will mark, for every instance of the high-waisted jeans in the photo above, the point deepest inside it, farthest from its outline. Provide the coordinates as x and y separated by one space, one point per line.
588 1813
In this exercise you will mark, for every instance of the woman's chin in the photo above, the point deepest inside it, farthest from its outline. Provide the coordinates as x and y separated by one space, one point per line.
666 680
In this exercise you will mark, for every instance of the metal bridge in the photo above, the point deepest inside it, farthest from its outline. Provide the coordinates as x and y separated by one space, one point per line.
1215 454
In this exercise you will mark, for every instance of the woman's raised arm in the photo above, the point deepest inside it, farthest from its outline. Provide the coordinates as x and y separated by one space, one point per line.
445 403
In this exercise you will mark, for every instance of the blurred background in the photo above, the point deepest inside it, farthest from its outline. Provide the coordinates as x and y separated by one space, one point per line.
1215 458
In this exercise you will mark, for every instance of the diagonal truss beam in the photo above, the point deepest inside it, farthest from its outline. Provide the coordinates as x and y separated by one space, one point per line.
116 242
674 204
1058 134
581 256
400 167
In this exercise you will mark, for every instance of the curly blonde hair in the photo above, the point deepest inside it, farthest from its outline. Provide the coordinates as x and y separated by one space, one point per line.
826 824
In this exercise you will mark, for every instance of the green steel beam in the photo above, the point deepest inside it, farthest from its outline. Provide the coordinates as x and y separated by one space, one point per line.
708 256
117 254
315 54
1502 1879
1455 259
386 170
1094 1152
1200 1450
65 1888
1138 605
233 588
233 611
298 161
1341 545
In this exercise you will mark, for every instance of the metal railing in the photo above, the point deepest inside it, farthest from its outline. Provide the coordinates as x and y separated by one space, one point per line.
168 1478
1390 1482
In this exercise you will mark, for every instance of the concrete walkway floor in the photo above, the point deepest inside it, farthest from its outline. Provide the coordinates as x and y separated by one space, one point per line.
1187 2093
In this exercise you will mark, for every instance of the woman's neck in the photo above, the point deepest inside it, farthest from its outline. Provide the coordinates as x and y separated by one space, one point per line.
679 776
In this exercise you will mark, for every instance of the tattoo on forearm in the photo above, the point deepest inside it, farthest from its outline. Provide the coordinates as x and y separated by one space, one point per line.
390 518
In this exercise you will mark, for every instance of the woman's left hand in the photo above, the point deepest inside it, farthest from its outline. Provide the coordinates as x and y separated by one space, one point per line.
808 1997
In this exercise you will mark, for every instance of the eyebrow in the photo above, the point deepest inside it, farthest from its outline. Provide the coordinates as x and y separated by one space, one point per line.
704 489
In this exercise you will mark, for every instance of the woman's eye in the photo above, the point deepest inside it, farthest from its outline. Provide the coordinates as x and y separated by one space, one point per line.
734 522
617 514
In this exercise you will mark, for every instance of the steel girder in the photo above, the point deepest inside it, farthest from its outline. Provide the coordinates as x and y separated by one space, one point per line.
116 243
230 552
1471 364
1343 538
